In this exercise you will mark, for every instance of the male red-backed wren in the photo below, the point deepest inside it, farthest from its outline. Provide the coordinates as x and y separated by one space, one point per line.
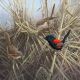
56 43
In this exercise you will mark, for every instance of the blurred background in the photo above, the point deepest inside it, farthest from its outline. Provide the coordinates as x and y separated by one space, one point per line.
33 9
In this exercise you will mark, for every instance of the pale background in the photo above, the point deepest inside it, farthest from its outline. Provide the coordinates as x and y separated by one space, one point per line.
32 9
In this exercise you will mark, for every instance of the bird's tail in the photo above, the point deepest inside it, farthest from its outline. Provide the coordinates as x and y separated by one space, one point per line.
65 37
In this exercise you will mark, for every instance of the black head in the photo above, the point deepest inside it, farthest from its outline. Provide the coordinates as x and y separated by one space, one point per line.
49 37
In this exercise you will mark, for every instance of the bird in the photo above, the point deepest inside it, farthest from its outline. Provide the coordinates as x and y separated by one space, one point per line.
55 43
12 51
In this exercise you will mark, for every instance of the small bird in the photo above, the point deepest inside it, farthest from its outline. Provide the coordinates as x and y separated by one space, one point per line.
56 43
12 51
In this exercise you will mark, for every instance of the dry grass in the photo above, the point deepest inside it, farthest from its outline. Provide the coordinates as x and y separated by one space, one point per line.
39 61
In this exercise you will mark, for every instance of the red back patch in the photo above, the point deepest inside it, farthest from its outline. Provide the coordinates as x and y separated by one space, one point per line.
56 41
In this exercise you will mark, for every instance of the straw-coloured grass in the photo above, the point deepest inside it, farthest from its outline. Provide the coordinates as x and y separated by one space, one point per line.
38 60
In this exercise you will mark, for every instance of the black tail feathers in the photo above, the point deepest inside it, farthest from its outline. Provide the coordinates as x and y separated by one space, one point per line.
65 37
